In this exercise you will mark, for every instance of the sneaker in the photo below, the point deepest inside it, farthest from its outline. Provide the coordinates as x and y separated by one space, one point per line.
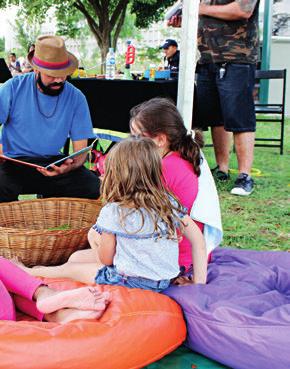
219 174
244 185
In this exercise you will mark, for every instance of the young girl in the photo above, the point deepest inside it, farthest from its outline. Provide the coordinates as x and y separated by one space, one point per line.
32 297
160 120
134 240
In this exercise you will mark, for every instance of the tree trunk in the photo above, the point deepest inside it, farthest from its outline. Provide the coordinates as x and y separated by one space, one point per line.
105 27
104 48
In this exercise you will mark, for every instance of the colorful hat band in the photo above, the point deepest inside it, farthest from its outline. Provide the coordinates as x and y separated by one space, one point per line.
49 65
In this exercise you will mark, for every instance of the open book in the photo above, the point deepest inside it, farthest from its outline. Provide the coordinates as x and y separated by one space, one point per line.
57 162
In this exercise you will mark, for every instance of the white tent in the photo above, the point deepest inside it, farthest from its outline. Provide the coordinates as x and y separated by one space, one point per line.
188 52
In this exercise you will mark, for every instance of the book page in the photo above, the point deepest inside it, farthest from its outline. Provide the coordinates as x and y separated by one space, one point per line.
57 162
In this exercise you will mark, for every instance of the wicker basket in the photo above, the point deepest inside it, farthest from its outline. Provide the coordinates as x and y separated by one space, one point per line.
46 231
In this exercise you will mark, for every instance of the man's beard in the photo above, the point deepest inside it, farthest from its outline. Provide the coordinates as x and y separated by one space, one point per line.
47 90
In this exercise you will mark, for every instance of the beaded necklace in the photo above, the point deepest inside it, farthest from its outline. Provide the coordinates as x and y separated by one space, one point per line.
38 105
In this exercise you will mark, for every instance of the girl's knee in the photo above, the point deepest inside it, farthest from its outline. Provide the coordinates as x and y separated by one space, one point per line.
74 257
83 256
77 257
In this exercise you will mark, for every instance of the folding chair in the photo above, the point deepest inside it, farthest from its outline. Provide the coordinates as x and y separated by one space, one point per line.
272 112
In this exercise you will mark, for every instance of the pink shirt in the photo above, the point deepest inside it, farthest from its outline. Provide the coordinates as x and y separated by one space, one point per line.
183 183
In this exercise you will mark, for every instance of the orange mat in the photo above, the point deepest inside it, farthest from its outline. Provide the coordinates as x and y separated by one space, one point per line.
138 328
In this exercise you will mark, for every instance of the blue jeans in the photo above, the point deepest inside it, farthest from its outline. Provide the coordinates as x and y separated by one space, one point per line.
109 275
226 99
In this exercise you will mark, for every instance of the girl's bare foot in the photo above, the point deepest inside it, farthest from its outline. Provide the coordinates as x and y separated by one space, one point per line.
84 298
68 315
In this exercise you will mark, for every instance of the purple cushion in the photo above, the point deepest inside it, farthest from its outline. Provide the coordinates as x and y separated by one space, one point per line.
241 318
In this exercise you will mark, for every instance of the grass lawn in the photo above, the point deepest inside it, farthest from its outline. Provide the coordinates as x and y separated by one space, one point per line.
260 221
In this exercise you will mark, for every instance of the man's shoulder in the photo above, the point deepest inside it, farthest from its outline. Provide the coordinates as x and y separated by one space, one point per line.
24 78
77 93
19 81
176 56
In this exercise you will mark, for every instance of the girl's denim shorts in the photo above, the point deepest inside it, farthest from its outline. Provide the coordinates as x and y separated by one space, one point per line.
109 275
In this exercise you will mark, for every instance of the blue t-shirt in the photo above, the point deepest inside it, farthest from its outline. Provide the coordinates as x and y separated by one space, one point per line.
37 125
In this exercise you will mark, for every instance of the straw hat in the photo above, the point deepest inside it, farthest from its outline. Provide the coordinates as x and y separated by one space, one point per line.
51 57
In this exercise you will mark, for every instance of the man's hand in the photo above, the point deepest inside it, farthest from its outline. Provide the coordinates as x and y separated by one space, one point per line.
65 167
69 164
175 21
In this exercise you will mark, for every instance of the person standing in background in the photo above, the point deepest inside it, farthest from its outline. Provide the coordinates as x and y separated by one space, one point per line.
14 65
27 67
171 58
228 42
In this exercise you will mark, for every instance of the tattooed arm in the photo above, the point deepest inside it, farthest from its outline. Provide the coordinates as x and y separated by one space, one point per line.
238 9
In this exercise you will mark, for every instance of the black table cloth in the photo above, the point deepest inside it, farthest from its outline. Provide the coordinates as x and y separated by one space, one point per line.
110 101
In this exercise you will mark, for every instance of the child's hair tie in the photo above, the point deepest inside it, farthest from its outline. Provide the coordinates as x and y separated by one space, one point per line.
191 132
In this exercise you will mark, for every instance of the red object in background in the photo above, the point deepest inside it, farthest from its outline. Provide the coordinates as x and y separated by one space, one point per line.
130 54
99 161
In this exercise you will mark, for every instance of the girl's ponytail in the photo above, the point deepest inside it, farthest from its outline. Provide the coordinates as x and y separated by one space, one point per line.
189 147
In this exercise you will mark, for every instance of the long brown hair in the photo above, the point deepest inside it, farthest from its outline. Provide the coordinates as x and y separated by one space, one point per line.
160 115
133 179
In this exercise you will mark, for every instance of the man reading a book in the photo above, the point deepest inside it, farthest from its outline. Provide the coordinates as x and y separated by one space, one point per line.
39 111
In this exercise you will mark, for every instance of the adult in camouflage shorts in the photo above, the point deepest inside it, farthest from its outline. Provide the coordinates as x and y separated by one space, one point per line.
228 42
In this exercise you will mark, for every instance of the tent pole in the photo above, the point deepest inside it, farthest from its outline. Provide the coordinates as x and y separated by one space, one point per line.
187 60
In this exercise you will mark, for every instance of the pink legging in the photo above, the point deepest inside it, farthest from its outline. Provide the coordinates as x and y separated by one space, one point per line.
17 289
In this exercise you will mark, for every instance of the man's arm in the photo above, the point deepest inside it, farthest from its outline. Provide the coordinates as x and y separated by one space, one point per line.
238 9
6 100
80 159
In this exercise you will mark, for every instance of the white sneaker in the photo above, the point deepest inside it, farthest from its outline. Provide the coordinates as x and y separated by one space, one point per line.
244 185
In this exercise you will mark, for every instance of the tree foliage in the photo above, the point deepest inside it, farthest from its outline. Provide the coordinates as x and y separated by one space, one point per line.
129 29
105 18
2 44
149 11
281 21
26 32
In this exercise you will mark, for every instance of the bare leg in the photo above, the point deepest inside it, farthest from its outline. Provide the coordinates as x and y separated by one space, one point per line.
84 256
68 315
221 141
244 144
82 272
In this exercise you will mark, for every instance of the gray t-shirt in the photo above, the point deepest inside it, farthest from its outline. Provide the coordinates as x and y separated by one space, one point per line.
140 252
